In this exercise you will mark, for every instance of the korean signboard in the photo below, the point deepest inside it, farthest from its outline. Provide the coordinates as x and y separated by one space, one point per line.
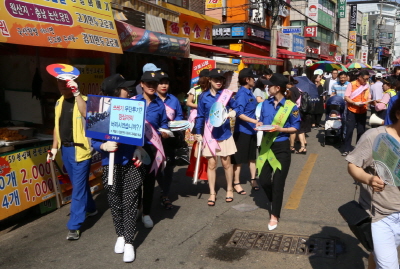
240 31
59 23
342 9
298 43
213 4
198 65
283 40
364 24
296 30
197 30
312 12
115 119
310 31
353 17
351 51
90 78
364 54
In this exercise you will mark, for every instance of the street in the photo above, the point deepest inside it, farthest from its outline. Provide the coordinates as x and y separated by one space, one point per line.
194 235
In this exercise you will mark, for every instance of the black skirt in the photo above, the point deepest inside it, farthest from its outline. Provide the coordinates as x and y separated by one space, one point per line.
246 146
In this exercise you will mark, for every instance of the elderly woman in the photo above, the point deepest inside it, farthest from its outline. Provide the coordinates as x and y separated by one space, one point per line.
379 200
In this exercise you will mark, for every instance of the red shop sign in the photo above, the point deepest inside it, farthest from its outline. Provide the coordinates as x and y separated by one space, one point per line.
310 31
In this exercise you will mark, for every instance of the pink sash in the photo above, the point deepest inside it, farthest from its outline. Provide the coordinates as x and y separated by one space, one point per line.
155 139
357 92
209 140
170 112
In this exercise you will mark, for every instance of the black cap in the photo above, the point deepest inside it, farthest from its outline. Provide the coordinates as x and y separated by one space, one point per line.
161 75
264 81
149 76
277 80
216 73
246 73
204 73
113 82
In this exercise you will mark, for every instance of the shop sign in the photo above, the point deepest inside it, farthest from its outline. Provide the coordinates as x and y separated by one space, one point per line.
262 61
364 24
283 40
213 4
371 49
353 17
364 54
298 43
325 19
221 32
258 34
25 179
144 41
342 9
310 31
312 12
324 49
292 30
198 65
352 44
359 40
85 25
197 30
312 49
90 78
238 31
338 58
116 119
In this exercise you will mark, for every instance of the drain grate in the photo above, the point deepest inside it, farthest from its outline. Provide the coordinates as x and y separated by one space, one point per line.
283 243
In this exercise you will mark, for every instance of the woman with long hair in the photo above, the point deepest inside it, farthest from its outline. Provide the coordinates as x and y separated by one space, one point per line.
274 160
218 140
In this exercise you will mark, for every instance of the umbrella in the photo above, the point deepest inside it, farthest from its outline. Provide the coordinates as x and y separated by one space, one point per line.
328 66
378 67
358 66
306 85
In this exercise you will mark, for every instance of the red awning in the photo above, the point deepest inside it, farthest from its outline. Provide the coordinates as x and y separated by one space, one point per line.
247 58
286 54
257 45
327 58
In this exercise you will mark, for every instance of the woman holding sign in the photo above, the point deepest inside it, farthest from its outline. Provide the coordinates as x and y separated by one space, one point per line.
123 194
274 160
218 141
156 126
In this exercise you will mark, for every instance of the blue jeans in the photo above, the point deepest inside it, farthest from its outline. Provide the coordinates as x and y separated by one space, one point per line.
386 237
82 200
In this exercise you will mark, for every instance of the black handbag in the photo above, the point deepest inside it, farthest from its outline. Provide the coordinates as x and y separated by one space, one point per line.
359 222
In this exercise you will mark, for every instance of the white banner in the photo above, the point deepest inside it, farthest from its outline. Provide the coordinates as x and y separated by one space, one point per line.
284 40
312 12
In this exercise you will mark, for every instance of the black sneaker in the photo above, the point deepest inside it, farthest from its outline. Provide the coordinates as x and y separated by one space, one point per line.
345 153
73 235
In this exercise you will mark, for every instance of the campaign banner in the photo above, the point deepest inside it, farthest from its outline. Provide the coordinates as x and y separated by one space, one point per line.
213 4
139 40
25 179
115 119
90 78
71 24
198 65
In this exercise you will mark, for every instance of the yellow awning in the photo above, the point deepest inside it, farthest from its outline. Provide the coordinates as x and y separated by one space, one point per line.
191 13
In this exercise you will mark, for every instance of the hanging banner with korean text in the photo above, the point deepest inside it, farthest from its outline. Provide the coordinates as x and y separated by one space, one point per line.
115 119
351 51
90 78
197 30
72 24
199 65
139 40
342 9
353 17
25 179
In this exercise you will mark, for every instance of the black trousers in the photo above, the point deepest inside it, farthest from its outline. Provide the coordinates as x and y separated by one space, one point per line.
274 183
316 119
354 120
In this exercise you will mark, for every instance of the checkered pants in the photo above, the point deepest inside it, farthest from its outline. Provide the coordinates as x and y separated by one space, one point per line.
123 197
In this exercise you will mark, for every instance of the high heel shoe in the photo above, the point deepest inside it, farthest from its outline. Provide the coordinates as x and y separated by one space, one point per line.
292 149
211 202
302 150
242 192
272 227
229 199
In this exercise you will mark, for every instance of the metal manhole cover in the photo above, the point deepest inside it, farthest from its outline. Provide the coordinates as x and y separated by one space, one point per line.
283 243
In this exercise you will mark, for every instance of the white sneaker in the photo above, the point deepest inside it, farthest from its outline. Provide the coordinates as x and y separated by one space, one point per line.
119 246
129 253
148 223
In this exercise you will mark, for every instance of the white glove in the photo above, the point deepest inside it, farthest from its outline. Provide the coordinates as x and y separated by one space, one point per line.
199 138
137 157
74 87
109 146
232 114
52 154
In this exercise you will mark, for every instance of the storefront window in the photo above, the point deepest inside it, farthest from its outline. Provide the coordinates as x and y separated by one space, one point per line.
298 23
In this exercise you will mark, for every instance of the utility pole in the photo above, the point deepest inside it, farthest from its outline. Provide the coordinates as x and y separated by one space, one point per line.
274 44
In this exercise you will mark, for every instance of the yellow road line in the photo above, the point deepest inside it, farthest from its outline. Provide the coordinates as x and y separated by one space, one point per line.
301 182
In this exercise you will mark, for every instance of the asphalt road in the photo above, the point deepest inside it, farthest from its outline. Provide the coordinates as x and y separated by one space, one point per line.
193 235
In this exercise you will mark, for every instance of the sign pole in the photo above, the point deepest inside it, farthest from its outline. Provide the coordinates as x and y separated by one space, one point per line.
111 168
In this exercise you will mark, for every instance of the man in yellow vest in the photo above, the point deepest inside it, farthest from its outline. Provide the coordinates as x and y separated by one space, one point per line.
69 136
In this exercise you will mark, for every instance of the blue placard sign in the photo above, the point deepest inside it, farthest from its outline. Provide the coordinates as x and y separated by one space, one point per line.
237 31
115 119
291 30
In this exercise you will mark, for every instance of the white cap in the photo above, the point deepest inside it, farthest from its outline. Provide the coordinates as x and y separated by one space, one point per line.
378 75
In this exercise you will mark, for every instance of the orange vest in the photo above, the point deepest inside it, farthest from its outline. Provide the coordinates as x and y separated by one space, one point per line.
363 97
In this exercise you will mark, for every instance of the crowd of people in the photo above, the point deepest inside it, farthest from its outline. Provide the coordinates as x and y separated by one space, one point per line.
267 153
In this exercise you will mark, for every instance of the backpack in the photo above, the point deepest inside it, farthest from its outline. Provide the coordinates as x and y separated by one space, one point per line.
306 105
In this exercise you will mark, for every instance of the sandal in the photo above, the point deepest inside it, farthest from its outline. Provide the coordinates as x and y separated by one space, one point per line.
256 188
242 192
211 202
166 202
292 149
304 151
229 199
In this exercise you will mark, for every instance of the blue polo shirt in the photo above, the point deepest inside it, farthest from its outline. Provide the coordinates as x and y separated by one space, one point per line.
390 105
206 100
245 103
268 112
174 103
155 113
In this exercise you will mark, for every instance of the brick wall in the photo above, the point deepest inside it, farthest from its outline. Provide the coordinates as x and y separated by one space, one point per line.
197 5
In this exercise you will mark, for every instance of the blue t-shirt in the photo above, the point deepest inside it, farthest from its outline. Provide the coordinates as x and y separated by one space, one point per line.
206 100
245 103
268 112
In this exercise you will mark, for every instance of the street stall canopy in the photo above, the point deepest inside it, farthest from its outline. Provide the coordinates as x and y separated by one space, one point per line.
286 54
266 48
139 40
60 24
221 65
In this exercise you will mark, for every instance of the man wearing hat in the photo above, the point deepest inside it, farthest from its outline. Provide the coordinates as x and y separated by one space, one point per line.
69 137
149 67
